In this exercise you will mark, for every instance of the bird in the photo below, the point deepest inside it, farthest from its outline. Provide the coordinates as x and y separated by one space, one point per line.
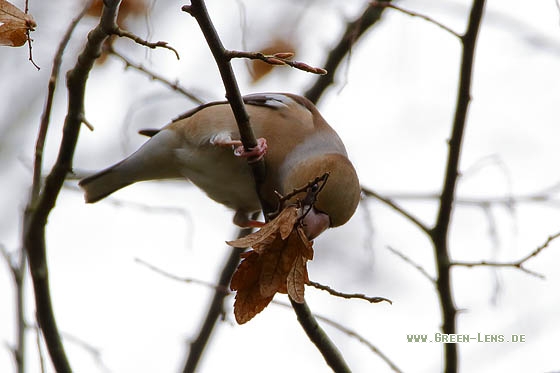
203 145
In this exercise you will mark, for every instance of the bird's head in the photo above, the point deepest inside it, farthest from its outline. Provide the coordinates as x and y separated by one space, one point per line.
326 201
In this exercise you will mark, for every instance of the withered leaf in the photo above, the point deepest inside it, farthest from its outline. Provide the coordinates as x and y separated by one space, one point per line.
277 264
297 277
283 223
14 25
248 300
247 272
305 246
277 260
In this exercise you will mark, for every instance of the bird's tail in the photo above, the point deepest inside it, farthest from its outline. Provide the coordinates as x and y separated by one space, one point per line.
103 183
154 160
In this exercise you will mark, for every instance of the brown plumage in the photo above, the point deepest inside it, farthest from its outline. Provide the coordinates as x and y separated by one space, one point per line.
198 146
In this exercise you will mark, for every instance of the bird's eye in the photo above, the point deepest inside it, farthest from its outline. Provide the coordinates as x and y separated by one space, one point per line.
314 188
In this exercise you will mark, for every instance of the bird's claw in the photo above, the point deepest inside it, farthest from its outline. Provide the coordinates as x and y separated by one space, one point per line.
254 154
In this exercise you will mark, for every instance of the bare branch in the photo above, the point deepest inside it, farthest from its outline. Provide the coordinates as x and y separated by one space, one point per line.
351 333
18 271
440 232
224 289
45 116
328 349
337 293
417 266
385 4
42 203
515 264
216 305
186 280
277 59
354 30
198 10
153 45
370 193
154 76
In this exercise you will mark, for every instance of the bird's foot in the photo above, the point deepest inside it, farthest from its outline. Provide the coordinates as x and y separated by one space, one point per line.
242 220
254 154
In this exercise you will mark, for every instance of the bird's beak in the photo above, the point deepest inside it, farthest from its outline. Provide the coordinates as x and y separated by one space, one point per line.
315 222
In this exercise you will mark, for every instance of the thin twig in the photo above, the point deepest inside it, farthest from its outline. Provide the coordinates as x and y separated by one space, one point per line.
45 116
29 40
153 45
216 305
18 272
224 290
86 123
154 76
370 193
385 4
279 59
186 280
515 264
337 293
416 266
354 30
351 333
40 349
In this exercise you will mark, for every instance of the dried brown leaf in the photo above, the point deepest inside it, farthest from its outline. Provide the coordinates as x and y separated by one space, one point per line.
283 224
297 277
15 25
277 261
247 272
248 300
305 246
277 264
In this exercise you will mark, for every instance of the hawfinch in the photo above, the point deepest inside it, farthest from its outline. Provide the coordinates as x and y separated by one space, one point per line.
203 146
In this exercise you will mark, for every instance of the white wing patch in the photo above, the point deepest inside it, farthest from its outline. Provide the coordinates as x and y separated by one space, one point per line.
219 138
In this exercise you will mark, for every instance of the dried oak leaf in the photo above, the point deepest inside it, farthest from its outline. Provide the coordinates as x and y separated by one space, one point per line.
277 264
15 25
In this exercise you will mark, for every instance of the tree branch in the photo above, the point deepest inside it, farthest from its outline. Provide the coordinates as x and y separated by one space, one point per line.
396 207
353 334
198 10
354 30
515 264
39 207
18 274
417 266
277 59
337 293
153 45
439 234
385 4
154 76
330 353
216 306
226 292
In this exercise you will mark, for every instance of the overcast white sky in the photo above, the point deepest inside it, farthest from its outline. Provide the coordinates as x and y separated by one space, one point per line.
393 106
